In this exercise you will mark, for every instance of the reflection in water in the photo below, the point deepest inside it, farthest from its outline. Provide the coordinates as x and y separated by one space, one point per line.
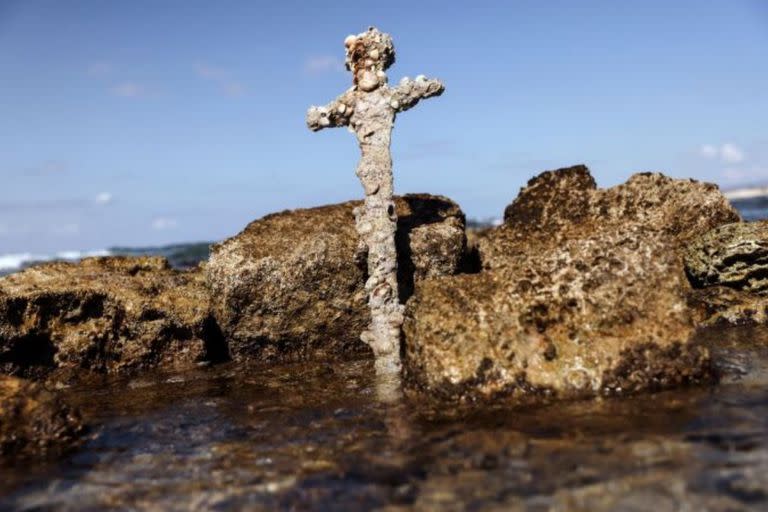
315 436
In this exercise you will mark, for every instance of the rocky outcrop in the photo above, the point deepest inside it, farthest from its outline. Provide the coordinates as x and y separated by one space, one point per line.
108 315
566 204
292 283
34 421
604 314
583 293
734 255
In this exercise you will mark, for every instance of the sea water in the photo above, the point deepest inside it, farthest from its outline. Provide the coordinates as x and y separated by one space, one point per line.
753 209
313 436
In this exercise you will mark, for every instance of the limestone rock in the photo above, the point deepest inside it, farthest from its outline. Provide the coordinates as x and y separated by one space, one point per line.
552 199
291 284
566 203
596 315
724 306
734 255
582 293
34 421
110 314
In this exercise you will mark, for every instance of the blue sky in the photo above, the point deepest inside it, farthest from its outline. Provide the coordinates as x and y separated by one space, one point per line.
141 122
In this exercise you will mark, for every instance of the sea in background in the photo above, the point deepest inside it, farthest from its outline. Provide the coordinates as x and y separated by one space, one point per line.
753 209
179 255
190 254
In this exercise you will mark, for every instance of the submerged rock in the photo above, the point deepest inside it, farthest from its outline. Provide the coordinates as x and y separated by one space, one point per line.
34 421
583 293
292 283
112 314
734 255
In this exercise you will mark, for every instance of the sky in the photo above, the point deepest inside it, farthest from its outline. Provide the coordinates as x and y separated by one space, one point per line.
144 122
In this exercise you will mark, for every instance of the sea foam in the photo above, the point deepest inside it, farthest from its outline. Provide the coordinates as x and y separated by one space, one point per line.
16 261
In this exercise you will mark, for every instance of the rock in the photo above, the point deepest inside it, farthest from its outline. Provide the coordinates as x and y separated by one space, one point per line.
112 315
604 314
566 204
582 293
734 255
724 306
34 421
291 284
553 199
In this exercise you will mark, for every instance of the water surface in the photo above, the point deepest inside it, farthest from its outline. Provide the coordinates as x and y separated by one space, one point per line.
315 437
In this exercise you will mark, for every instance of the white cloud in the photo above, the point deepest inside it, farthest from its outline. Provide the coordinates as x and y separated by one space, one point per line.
103 198
128 90
228 85
731 153
323 64
164 223
728 153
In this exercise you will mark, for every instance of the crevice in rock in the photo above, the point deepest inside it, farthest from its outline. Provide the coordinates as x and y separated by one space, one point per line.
91 306
216 346
746 259
424 210
15 311
28 355
405 267
471 261
758 274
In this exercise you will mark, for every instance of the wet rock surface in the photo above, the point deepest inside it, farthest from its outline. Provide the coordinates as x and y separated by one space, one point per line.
734 255
34 422
291 285
311 437
110 314
582 293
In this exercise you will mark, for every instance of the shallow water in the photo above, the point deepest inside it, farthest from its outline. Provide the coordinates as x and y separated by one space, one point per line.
315 437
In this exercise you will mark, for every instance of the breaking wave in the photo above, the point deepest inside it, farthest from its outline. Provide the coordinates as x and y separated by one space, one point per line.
16 261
